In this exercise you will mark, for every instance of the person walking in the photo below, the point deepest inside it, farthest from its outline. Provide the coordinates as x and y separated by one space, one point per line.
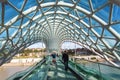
65 59
53 57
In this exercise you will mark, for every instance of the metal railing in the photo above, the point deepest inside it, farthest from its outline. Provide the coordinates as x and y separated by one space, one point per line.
39 71
36 66
100 71
22 73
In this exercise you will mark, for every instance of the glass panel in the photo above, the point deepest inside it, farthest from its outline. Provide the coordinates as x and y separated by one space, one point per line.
101 45
68 1
73 12
98 3
77 24
107 34
94 46
81 32
1 55
47 8
86 30
60 9
33 25
17 23
38 13
8 47
17 3
83 37
88 41
15 40
3 35
25 20
117 49
24 33
0 13
71 27
31 14
86 20
11 31
80 14
9 13
84 4
116 27
18 34
116 13
104 13
25 37
98 30
82 26
118 46
107 72
72 19
67 8
94 23
110 42
66 17
30 3
24 29
38 19
0 27
94 38
31 32
2 42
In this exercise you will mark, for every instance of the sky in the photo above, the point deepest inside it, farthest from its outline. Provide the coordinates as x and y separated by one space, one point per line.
65 45
37 45
70 45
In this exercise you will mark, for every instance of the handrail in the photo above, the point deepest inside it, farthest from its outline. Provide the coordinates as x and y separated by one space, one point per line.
84 72
20 73
39 64
79 76
101 63
17 74
107 71
48 65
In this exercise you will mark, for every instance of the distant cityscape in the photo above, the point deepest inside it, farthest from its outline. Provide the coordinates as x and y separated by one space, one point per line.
31 52
40 52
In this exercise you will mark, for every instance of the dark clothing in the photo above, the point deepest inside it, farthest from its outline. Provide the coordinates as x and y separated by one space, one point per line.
53 55
65 58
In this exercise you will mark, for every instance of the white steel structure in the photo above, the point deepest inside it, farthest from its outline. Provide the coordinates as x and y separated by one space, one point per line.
95 24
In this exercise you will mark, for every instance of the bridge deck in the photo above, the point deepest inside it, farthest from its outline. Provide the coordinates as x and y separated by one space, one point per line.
57 72
46 70
50 71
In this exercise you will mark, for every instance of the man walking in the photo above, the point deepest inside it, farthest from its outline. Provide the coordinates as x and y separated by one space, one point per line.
65 58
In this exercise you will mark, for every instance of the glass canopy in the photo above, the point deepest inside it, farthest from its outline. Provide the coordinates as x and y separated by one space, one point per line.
95 24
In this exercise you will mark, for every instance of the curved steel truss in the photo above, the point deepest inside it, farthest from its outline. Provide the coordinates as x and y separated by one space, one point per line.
93 23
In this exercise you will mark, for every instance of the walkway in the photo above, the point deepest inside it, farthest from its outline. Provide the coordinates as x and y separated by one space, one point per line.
48 71
45 70
58 73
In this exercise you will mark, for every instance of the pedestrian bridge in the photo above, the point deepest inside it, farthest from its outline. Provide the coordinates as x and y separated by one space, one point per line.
46 70
93 24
